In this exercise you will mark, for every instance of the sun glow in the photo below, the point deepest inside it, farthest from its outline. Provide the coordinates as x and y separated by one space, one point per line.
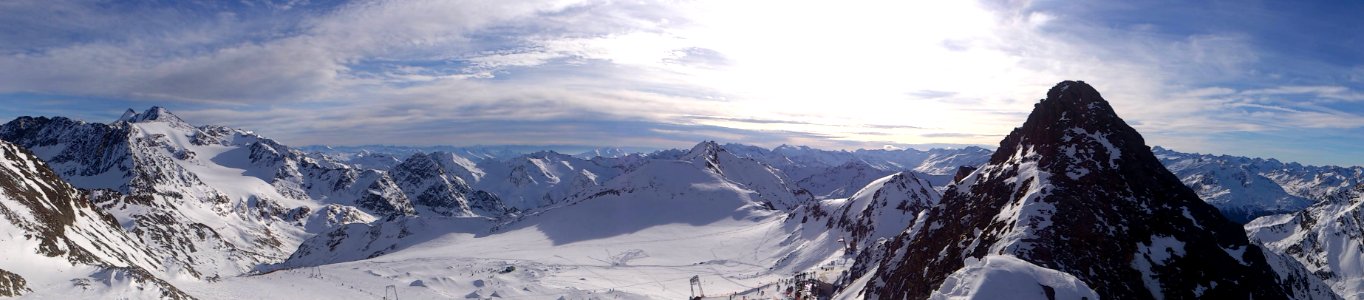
866 72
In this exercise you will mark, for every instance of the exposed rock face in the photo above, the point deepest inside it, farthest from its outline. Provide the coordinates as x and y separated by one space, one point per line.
12 285
1075 189
425 181
48 224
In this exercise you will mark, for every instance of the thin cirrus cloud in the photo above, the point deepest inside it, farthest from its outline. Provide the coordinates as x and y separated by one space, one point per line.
666 74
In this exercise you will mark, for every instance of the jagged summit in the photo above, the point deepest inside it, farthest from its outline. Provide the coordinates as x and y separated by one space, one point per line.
704 148
153 114
1076 190
1072 110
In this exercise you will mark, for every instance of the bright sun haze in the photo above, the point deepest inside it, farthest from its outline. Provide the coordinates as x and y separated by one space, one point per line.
1195 77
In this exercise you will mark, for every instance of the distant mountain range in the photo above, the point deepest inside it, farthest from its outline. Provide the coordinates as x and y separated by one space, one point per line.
1072 204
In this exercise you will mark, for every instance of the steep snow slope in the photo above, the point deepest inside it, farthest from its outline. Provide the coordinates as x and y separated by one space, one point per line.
771 186
882 209
1326 238
57 245
209 201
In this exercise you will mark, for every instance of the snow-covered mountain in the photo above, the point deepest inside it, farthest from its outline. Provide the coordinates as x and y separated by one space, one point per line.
1245 188
803 162
660 190
882 209
1075 203
360 160
604 152
769 184
539 179
209 201
426 181
56 244
1325 237
842 180
837 174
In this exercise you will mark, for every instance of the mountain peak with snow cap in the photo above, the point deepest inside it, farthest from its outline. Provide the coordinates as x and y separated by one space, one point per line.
703 148
1076 190
708 153
153 114
1073 114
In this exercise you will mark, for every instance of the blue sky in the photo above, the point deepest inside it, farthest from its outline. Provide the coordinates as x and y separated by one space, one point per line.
1255 78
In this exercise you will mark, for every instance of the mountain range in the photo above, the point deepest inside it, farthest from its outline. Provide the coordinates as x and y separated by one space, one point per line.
1072 204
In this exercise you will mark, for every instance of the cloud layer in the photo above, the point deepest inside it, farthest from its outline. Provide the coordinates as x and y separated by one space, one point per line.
666 74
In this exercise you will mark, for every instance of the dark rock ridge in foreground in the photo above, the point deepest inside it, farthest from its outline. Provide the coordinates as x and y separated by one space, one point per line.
1075 189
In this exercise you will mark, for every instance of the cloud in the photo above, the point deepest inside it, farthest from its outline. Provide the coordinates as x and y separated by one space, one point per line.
868 74
1329 93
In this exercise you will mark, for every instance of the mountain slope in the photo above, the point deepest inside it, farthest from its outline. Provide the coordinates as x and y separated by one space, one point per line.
708 186
56 244
1076 190
769 184
535 180
882 209
1326 238
1245 188
209 200
426 182
841 181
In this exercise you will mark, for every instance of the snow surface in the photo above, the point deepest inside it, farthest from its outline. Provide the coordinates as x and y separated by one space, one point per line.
641 235
1007 277
1326 238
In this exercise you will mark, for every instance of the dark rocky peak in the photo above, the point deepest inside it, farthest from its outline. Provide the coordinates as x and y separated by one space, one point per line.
962 172
1075 189
420 165
1073 115
706 148
44 129
153 114
128 115
421 157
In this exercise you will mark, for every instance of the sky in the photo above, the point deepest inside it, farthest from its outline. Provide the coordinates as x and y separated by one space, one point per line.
1273 79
